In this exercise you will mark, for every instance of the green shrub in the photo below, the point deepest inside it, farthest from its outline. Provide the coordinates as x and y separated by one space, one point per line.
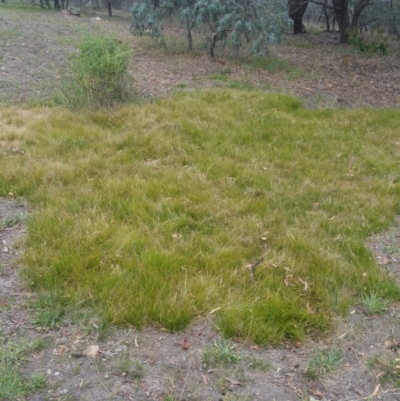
376 42
98 73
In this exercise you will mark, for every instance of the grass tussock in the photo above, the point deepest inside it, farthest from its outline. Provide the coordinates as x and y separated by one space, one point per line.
150 213
324 362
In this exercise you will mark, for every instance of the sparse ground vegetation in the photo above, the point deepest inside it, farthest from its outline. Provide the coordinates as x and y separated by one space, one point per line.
220 353
156 214
324 362
14 384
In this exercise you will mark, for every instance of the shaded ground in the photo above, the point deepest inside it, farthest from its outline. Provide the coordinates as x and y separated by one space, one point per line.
34 47
155 364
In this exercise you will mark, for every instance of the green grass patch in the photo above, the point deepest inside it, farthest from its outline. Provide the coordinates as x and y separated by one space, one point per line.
241 85
13 384
223 75
48 310
219 77
149 214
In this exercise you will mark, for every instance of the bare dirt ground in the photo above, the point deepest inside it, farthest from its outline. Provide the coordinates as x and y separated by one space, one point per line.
82 361
34 47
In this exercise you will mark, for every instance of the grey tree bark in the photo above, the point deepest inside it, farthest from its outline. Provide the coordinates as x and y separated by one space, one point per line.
342 17
297 8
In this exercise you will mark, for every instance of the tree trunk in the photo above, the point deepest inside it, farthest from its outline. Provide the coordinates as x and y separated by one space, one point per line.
327 19
328 14
358 9
297 8
57 5
109 8
214 41
189 34
342 18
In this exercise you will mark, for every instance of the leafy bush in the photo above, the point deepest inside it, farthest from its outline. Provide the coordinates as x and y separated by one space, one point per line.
98 73
145 19
376 42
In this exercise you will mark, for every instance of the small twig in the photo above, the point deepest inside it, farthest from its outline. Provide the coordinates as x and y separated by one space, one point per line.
252 267
369 397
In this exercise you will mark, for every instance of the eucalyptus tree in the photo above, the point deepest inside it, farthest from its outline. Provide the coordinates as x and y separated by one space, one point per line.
235 23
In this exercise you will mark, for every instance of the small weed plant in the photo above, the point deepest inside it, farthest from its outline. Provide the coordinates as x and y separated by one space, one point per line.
12 221
98 74
374 303
129 368
221 353
394 247
324 362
